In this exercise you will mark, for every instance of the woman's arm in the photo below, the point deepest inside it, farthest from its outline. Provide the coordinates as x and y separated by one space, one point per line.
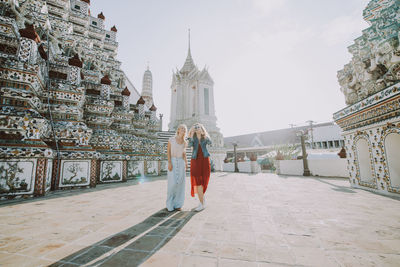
208 141
185 159
190 137
169 156
190 141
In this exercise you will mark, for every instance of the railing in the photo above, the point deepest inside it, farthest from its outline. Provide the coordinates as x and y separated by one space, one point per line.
79 28
56 10
78 17
60 3
99 120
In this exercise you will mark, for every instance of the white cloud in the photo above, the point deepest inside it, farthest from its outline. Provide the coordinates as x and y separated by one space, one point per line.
280 41
267 6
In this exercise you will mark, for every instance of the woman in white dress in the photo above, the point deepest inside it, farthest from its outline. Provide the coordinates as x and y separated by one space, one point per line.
177 165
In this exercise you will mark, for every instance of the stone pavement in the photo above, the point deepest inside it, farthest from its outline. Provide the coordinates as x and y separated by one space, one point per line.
250 220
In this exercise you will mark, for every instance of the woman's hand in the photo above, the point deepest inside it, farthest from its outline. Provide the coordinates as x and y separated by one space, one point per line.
170 166
191 132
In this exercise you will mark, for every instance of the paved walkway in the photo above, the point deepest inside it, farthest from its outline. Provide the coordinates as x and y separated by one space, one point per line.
251 220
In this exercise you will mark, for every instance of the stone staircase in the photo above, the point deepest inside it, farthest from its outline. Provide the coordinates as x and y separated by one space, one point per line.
164 136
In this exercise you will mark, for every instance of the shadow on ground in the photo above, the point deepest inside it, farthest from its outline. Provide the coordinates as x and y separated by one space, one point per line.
122 249
344 189
325 180
77 191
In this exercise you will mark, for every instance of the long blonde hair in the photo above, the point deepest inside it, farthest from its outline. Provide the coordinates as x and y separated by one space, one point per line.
182 126
204 133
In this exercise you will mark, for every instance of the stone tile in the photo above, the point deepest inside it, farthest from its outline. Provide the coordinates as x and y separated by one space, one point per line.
176 245
365 259
198 261
126 257
23 261
172 223
117 240
237 251
204 248
274 221
6 240
163 259
275 254
313 257
162 231
302 241
147 243
241 237
236 263
271 264
19 245
270 239
90 255
91 239
42 248
206 234
4 255
63 252
40 263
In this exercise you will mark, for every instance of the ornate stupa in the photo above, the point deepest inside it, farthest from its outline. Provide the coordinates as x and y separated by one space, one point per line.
66 120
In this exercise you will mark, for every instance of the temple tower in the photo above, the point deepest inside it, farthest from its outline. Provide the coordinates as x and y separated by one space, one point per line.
192 101
147 87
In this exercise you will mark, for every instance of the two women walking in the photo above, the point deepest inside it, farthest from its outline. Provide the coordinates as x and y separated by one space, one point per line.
177 164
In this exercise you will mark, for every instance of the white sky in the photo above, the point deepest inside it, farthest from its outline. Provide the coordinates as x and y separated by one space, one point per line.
274 62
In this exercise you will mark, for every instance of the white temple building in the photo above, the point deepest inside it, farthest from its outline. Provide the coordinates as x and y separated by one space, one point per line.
192 101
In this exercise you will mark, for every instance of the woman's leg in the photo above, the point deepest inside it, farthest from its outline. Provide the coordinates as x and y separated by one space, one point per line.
170 192
200 193
180 187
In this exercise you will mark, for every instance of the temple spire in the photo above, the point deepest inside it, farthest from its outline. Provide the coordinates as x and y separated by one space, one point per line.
189 40
189 64
147 87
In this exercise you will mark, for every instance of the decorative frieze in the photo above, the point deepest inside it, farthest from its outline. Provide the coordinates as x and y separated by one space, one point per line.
17 176
111 171
74 173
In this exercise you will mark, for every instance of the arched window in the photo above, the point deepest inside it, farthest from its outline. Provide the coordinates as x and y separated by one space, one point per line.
364 161
392 147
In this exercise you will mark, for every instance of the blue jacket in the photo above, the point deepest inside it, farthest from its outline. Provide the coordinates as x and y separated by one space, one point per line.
194 142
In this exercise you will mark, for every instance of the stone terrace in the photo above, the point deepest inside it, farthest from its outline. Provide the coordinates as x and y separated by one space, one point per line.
251 220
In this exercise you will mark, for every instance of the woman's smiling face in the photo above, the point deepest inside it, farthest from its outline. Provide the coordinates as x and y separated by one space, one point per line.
197 129
181 132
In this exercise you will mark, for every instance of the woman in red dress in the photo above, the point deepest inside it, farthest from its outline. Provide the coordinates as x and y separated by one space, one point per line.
200 168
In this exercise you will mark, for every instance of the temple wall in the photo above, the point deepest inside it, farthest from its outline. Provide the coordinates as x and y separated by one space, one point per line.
318 167
245 167
373 156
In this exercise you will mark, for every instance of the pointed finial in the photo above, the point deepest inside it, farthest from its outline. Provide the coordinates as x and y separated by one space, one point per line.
148 63
189 38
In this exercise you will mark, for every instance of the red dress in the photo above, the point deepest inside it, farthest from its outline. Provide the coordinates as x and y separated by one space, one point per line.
199 171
